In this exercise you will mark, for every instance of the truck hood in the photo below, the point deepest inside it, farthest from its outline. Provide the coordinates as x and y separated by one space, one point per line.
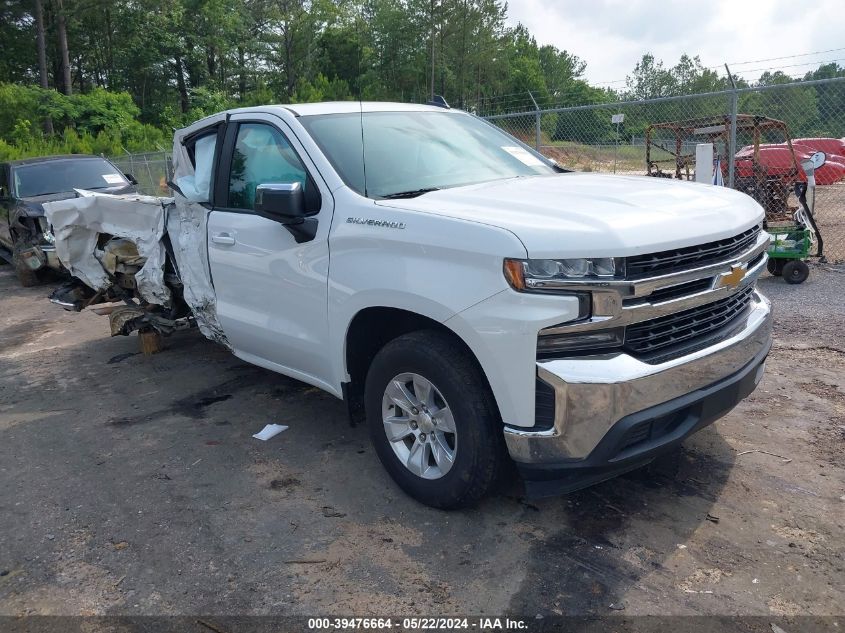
33 206
592 215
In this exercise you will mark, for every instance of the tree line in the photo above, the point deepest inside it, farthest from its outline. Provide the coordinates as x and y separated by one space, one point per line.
113 75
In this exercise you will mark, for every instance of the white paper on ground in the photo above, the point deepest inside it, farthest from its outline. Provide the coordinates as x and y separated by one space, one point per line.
271 430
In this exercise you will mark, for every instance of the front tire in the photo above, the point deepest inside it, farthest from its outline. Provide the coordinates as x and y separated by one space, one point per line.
432 420
26 276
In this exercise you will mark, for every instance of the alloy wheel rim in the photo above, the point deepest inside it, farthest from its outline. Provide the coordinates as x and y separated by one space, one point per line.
419 425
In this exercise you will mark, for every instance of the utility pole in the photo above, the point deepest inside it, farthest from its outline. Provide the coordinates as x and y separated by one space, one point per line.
42 57
432 48
537 129
732 143
41 44
62 32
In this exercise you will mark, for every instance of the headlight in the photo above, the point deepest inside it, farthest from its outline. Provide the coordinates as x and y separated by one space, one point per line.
46 230
540 275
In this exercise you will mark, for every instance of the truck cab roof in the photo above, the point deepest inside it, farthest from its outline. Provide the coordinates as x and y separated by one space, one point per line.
335 107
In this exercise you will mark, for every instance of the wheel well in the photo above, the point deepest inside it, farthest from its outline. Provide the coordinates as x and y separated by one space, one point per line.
370 330
373 328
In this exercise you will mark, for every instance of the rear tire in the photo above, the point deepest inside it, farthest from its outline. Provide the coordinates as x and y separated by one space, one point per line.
795 272
427 372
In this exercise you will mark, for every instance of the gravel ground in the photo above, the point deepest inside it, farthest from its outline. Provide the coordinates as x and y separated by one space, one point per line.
132 485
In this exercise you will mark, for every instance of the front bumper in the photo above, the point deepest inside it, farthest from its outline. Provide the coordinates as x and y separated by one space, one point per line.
615 412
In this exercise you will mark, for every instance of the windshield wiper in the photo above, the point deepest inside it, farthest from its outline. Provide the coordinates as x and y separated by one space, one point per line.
413 193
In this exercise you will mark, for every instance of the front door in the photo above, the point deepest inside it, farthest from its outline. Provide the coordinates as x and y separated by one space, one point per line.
271 292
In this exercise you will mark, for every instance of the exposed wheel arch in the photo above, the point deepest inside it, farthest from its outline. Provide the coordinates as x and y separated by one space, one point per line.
369 331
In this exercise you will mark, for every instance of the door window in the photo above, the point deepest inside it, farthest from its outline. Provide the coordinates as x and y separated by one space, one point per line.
262 155
196 185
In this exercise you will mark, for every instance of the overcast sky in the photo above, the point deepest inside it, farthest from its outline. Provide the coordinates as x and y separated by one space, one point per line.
612 35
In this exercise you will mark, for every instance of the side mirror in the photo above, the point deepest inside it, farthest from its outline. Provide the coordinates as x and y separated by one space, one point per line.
131 179
285 203
814 162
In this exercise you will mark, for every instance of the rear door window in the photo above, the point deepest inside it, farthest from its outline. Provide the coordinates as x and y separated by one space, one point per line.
197 187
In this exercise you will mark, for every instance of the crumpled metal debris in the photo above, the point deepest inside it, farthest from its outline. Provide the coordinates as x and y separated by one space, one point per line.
144 222
120 256
78 223
121 319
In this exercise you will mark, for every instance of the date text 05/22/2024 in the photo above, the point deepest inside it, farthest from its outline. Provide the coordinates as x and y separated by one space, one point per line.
418 624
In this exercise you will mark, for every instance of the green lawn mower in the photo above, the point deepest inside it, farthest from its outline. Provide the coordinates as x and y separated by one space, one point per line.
791 244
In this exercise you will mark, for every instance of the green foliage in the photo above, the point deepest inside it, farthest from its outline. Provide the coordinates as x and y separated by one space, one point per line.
321 89
205 101
98 122
14 101
100 109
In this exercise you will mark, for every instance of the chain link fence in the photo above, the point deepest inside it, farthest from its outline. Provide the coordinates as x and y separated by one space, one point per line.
152 170
658 137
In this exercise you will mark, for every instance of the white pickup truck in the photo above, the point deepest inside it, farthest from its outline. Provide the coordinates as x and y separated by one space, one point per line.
466 296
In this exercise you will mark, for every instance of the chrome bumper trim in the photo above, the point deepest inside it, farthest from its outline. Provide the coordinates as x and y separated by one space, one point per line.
593 393
52 257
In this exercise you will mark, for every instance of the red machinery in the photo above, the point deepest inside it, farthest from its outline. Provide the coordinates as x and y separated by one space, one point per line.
777 160
765 171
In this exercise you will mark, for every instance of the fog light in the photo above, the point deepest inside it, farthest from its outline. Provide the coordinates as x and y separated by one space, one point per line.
550 345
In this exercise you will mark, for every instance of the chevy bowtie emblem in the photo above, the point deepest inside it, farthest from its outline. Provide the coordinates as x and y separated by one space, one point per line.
733 278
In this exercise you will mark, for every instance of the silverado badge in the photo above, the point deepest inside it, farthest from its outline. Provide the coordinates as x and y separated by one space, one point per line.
370 222
733 278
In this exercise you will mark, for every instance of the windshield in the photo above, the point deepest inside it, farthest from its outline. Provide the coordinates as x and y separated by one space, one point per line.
59 176
409 153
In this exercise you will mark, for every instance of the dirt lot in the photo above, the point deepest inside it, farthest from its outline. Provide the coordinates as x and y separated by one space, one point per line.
132 485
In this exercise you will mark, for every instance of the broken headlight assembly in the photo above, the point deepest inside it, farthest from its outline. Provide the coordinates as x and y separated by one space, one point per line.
46 230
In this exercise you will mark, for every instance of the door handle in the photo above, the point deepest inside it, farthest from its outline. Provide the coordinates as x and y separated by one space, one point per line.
223 238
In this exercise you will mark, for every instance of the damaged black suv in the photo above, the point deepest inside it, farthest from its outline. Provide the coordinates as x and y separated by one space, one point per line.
25 237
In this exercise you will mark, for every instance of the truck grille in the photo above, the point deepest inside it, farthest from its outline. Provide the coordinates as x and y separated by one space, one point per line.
697 327
677 259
